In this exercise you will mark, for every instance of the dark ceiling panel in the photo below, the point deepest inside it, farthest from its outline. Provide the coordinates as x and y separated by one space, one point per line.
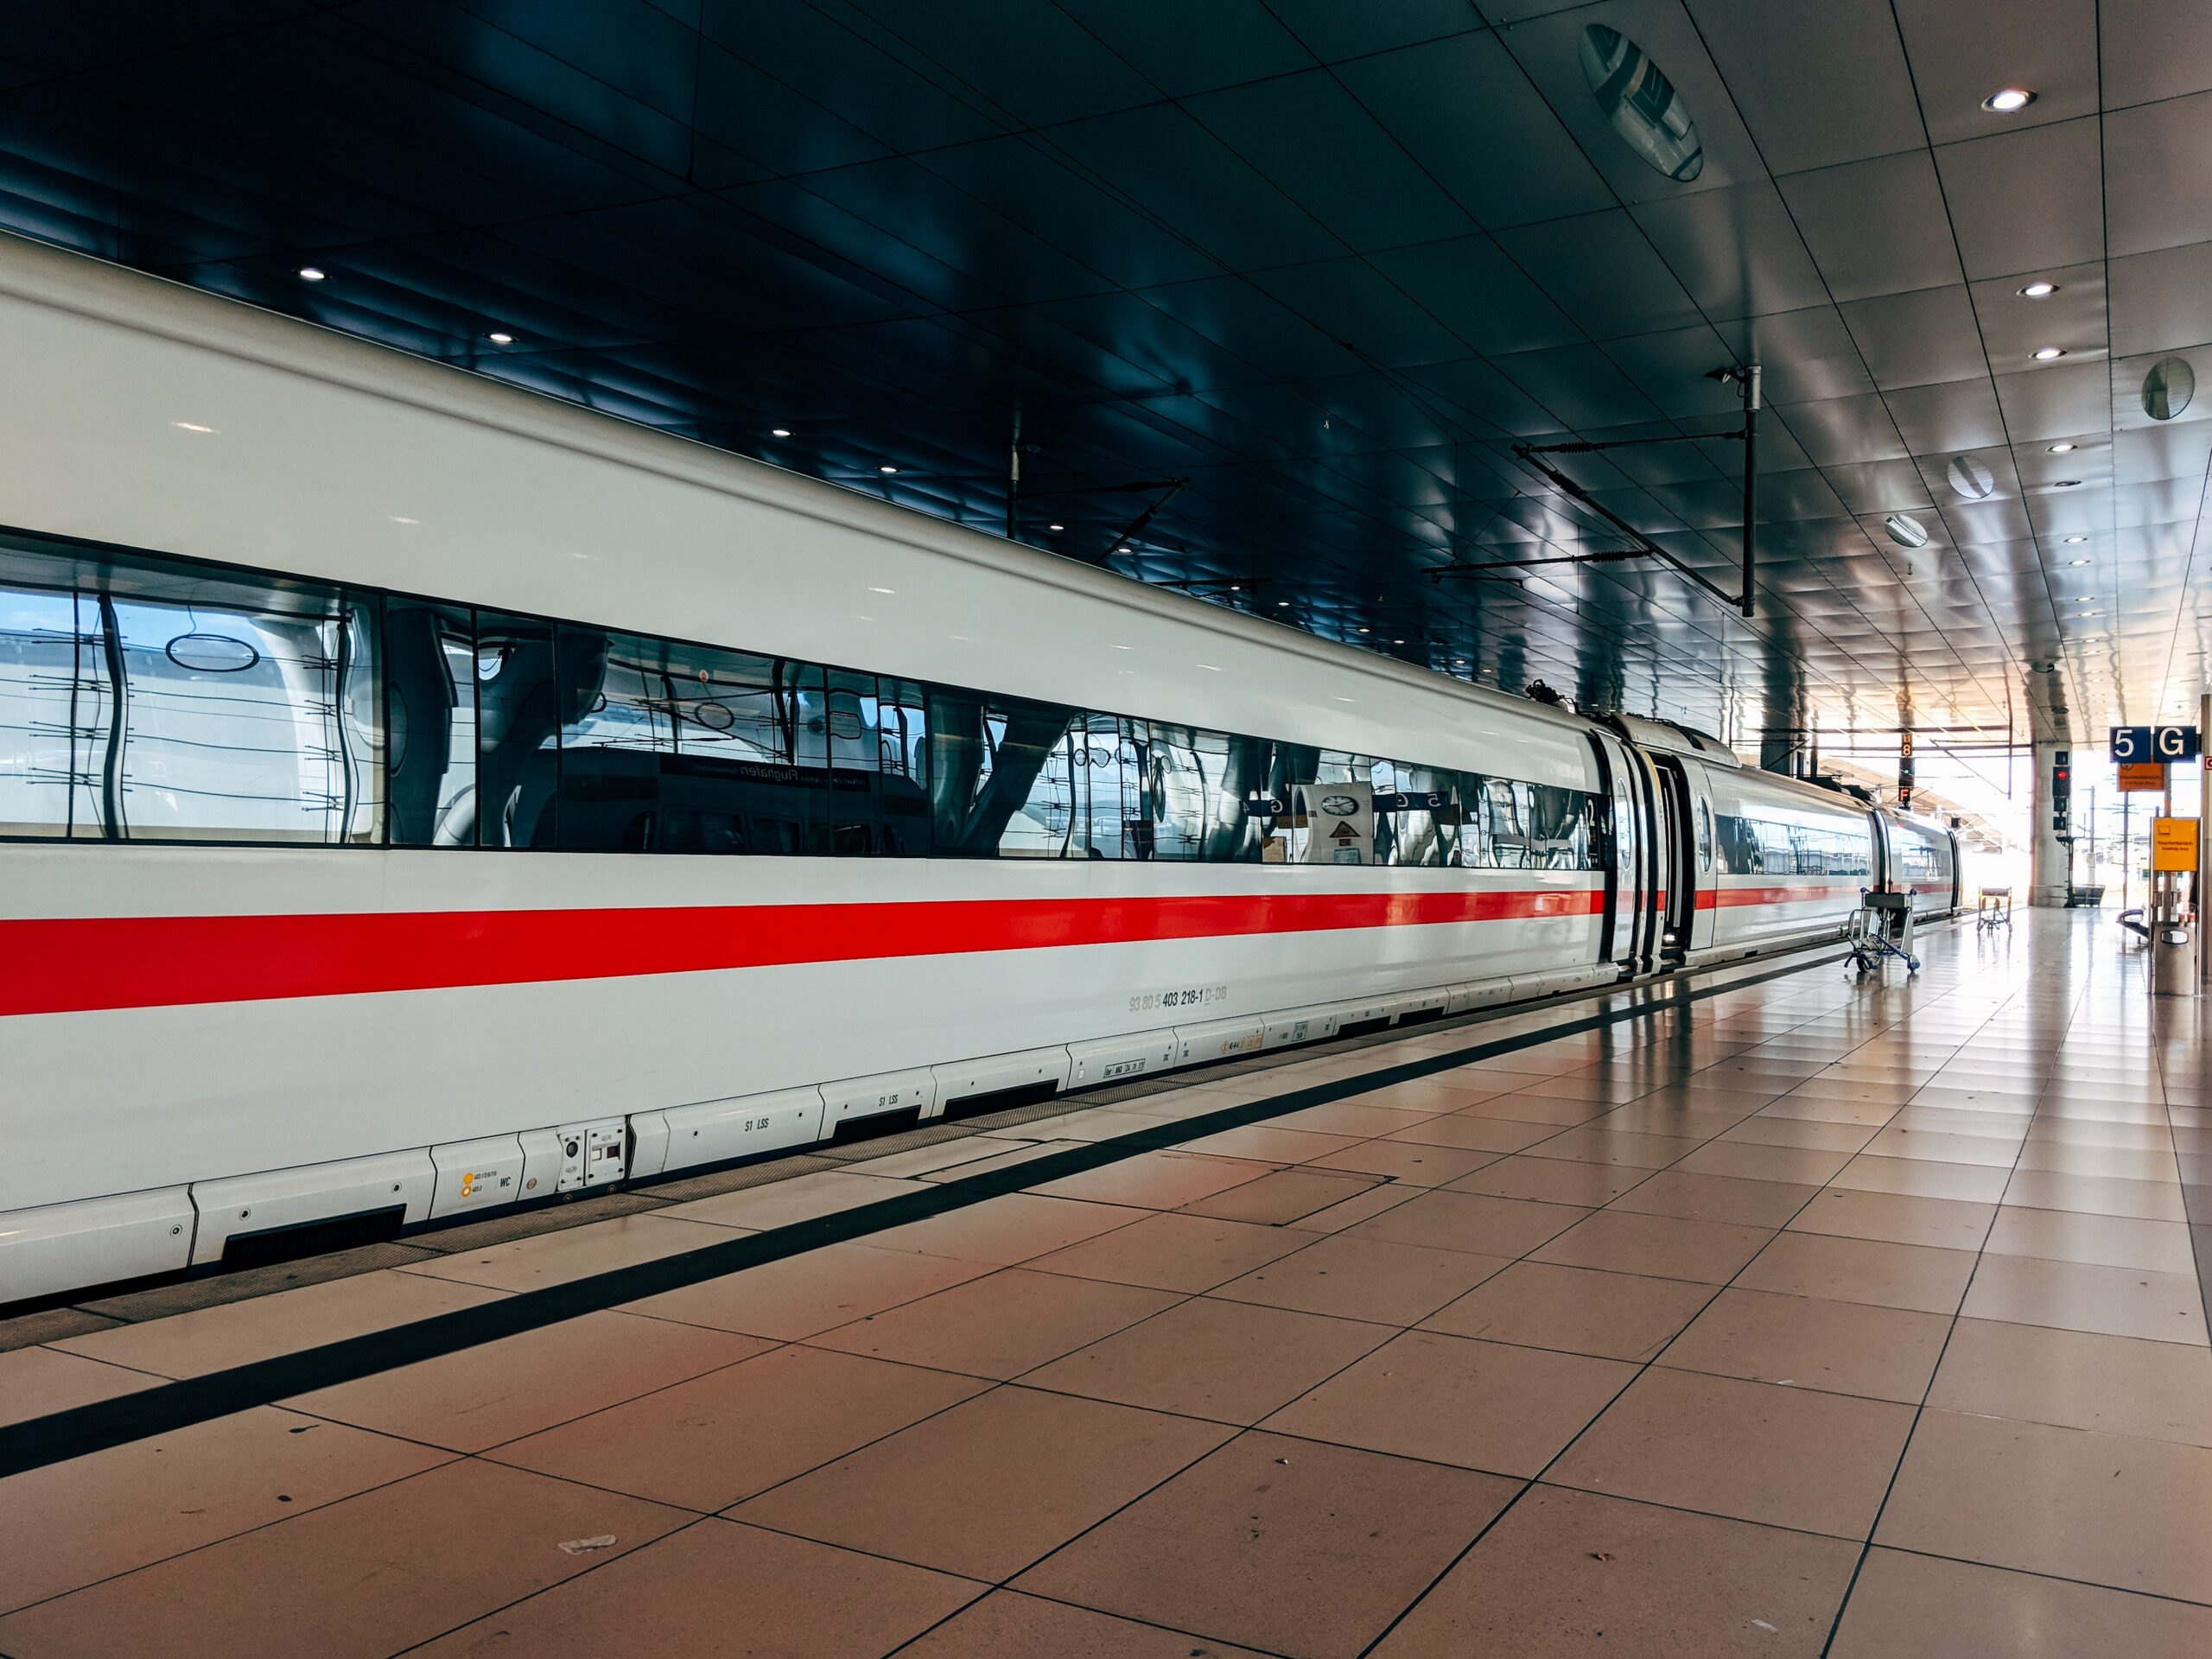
1325 261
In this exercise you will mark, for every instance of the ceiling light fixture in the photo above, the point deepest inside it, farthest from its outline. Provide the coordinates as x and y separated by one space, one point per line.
779 431
883 590
2062 449
2046 354
312 273
500 337
886 471
2076 564
2066 484
192 426
1905 532
2075 541
1056 526
1970 478
2039 289
2008 100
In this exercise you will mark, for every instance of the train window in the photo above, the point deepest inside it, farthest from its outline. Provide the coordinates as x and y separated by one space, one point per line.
55 713
430 702
852 750
992 790
517 732
1703 834
1200 781
903 757
243 721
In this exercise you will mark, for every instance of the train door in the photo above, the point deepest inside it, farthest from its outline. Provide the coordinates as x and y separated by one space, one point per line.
1703 856
1692 875
1678 898
1620 940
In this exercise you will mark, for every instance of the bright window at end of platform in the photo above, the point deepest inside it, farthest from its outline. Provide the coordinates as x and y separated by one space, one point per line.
1642 103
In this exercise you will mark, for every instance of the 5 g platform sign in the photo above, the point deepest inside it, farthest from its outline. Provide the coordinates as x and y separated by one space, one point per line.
2156 746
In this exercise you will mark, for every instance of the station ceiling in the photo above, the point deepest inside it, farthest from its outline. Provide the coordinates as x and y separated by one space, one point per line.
1326 261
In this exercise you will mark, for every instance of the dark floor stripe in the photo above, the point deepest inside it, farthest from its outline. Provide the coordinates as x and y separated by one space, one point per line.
163 1409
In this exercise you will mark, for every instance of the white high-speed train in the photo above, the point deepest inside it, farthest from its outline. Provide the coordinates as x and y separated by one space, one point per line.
421 797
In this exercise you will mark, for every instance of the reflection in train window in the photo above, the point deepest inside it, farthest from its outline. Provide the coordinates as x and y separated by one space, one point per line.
149 697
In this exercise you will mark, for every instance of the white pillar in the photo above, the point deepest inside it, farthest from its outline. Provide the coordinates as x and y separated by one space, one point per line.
2047 854
2203 836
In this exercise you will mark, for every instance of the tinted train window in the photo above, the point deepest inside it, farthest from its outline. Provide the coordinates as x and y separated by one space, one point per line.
147 697
204 708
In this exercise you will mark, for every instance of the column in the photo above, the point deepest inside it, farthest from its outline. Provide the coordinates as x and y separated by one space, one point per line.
2047 854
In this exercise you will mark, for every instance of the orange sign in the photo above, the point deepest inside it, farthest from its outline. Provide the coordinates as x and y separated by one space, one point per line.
2173 845
2139 776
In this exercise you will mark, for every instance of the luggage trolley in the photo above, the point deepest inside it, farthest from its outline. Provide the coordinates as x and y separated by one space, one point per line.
1881 928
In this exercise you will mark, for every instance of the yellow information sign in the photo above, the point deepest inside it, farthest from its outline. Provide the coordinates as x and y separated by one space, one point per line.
2138 776
2173 845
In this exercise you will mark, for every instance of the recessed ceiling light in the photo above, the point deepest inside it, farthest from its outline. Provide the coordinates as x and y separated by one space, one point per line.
1904 531
779 431
312 273
2062 449
2075 541
886 471
2008 100
1397 642
2039 290
2066 483
192 426
2044 353
1056 526
883 590
1282 604
402 519
1367 630
500 337
1210 668
2076 564
1123 548
1970 478
2093 612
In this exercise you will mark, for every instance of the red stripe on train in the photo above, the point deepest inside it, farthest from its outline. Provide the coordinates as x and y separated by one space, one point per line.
79 964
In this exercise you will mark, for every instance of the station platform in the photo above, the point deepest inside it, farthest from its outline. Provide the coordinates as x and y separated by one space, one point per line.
1762 1313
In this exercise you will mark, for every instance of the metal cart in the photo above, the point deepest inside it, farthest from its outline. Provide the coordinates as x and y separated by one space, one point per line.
1881 928
1994 908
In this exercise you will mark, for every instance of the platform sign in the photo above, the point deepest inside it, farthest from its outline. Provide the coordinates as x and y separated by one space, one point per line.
2140 777
2173 845
2171 743
2130 743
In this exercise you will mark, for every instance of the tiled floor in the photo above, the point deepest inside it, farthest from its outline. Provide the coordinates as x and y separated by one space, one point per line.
1810 1319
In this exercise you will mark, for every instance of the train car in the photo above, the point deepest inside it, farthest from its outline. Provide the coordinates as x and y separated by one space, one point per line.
420 796
1920 858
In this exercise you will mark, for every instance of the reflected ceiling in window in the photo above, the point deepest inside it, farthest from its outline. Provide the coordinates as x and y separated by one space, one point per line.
1640 102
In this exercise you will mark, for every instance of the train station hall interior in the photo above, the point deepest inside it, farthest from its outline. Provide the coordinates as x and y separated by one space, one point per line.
1105 829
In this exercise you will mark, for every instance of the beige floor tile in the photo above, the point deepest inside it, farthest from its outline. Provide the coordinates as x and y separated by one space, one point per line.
1354 1117
1812 1133
781 1204
38 1382
709 1443
2121 1163
1284 1197
1353 1278
1783 1457
1229 1361
1449 1220
1660 1246
2079 1296
574 1253
1919 1177
1480 1405
2107 1241
1918 1604
989 1486
1409 1164
366 1576
718 1590
1587 1085
1898 1218
518 1385
71 1523
1007 1230
1000 1325
1567 1572
2101 1132
1283 1544
1265 1143
1612 1315
1534 1109
238 1334
803 1295
1446 1093
1472 1132
1552 1180
2104 1509
1869 1110
943 1155
1805 1164
1387 1195
1007 1624
1593 1144
1861 1270
1716 1198
1016 1156
1882 1353
1919 1119
1156 1181
1175 1252
2097 1195
2075 1379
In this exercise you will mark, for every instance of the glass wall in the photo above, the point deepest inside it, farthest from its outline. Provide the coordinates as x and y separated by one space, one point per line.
144 698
